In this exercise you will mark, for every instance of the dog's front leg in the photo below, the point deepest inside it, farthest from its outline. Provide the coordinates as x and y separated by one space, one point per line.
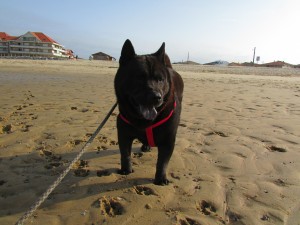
164 155
125 144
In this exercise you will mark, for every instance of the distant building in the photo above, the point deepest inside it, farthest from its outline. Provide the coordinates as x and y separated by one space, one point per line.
32 44
70 54
102 56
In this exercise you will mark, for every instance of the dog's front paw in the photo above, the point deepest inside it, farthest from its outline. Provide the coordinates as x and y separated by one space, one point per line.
125 172
145 148
161 181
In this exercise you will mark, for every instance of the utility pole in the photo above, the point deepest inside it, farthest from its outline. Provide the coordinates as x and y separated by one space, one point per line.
253 55
188 58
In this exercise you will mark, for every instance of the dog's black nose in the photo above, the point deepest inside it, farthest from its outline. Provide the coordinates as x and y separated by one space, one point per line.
156 96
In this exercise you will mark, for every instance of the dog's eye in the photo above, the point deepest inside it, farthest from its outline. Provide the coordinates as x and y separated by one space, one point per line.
159 79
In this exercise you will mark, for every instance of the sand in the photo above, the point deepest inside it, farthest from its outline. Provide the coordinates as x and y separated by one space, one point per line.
236 159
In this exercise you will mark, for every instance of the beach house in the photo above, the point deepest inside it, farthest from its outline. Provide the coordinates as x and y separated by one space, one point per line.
31 44
102 56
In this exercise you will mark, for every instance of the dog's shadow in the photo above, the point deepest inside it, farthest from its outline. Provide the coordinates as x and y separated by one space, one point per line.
69 189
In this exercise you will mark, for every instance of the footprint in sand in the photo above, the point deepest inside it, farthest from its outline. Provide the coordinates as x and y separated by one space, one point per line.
18 107
114 114
88 135
233 217
54 161
2 182
25 128
182 125
271 218
173 175
101 173
52 165
80 168
138 154
209 209
29 95
81 172
265 218
106 140
101 148
206 207
143 190
81 164
84 110
74 143
109 206
6 129
49 136
187 221
273 148
280 182
50 156
219 133
198 180
33 116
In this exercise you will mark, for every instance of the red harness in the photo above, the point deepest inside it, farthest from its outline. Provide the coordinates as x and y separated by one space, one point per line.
149 130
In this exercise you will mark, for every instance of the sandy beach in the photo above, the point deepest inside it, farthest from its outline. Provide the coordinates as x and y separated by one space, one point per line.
236 159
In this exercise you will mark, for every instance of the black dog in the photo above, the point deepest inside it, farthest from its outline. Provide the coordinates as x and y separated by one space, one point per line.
149 94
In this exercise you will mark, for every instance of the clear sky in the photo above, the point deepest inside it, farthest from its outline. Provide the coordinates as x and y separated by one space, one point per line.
208 30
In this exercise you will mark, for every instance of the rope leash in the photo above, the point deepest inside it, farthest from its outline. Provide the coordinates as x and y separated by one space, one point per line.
45 195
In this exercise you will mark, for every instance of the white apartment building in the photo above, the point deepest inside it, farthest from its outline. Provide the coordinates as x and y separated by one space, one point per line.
31 44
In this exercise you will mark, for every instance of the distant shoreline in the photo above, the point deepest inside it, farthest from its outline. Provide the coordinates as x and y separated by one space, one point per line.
84 66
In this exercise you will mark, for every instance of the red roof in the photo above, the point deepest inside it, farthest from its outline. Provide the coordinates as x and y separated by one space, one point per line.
6 37
43 37
39 35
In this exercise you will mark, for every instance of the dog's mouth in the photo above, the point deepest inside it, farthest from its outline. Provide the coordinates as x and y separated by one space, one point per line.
148 112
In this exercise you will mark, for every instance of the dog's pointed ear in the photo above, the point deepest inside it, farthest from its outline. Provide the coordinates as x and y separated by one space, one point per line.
127 52
160 54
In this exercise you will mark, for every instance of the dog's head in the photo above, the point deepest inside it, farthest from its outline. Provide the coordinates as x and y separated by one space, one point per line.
143 81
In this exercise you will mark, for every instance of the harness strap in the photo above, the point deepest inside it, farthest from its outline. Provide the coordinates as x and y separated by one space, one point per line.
149 130
124 119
